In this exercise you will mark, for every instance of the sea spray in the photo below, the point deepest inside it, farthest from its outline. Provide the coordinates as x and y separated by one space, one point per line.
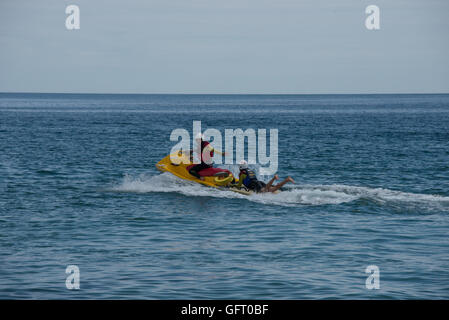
300 194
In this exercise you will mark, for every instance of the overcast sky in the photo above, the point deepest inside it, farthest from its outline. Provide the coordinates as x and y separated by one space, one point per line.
231 46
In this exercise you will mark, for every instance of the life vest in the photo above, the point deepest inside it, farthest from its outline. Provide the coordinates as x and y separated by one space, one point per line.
204 144
250 177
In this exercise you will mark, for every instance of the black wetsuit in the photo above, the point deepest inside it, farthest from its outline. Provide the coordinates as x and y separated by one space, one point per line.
251 181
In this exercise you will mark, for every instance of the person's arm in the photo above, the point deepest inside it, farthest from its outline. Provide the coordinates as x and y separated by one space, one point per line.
210 148
220 153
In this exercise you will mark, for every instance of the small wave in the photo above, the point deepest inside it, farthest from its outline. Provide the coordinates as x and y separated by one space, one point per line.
293 195
384 196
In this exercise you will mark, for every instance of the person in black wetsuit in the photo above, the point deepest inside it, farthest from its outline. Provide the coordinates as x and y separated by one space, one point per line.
248 178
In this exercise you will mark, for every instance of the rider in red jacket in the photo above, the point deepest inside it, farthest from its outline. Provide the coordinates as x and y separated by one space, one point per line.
206 152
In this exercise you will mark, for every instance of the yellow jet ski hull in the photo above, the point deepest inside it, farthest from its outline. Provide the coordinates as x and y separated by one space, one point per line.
177 164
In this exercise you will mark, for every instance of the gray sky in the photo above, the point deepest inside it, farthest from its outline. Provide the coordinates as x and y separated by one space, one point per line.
232 46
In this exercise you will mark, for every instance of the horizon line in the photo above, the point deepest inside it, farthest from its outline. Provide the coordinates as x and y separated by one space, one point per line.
268 94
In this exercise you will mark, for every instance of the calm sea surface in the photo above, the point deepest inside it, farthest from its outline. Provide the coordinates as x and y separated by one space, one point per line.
78 186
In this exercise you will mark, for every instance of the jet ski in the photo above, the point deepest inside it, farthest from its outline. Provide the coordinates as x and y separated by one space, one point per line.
180 162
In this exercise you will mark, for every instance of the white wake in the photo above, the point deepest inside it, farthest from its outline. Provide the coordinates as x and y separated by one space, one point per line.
298 194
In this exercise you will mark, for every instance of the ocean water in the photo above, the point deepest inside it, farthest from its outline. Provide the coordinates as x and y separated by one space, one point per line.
78 186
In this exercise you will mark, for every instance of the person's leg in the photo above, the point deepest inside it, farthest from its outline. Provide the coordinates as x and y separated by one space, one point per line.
194 171
280 185
268 186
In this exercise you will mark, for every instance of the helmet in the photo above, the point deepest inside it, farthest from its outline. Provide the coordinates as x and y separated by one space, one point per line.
243 165
199 136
